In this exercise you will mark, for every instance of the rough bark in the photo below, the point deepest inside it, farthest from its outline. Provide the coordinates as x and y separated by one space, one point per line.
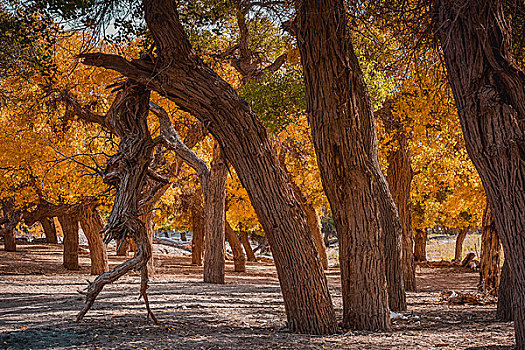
50 231
69 224
399 178
92 224
239 260
9 240
250 254
460 238
345 140
505 306
489 90
420 245
489 272
215 215
197 243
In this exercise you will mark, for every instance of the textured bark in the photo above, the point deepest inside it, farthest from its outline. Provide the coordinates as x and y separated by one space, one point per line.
489 272
489 90
345 140
505 306
92 224
9 240
399 178
247 247
50 231
420 245
215 217
197 243
69 224
460 238
148 218
239 260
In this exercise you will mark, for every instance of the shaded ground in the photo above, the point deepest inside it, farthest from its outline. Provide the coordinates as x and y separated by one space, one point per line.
38 300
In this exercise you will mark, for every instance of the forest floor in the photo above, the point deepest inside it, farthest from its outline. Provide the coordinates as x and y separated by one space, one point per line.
39 299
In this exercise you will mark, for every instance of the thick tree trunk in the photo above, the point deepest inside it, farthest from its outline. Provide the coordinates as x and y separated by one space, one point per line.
345 141
490 97
122 247
239 260
247 247
215 218
197 243
92 224
420 245
69 224
183 236
505 301
182 76
9 240
460 238
50 231
489 272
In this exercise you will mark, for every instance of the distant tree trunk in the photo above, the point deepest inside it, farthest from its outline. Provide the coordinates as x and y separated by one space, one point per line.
420 245
460 238
489 273
215 218
69 224
8 231
197 244
505 299
50 231
487 84
239 260
9 240
183 236
247 247
345 141
122 247
92 225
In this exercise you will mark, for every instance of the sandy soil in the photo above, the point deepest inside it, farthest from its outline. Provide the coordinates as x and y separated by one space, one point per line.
38 300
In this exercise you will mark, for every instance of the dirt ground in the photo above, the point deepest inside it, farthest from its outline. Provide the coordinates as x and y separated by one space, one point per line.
38 300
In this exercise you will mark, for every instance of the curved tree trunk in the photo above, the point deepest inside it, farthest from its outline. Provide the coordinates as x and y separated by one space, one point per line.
420 245
345 141
197 243
460 238
69 224
239 260
250 254
489 92
505 304
92 225
215 218
313 223
50 231
489 272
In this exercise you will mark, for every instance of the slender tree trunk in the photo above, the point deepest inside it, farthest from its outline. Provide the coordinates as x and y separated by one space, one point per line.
505 303
92 225
50 231
247 247
239 260
490 97
148 218
9 240
420 245
345 141
69 224
215 218
122 247
489 273
316 232
197 244
460 238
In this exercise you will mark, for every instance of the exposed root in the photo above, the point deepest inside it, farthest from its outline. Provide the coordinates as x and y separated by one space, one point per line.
143 291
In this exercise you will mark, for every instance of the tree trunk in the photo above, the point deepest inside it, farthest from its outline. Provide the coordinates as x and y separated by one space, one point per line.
460 238
92 225
123 247
239 260
505 306
9 240
215 218
247 247
345 141
420 245
69 224
489 273
50 231
148 218
183 236
313 223
490 99
182 76
197 243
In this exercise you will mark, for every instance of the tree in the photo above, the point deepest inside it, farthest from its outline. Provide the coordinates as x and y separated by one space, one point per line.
489 272
92 224
488 88
345 140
